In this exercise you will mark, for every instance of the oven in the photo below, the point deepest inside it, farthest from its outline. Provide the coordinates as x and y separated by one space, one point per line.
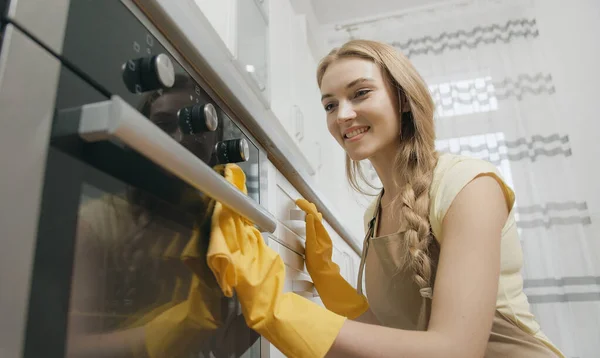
112 146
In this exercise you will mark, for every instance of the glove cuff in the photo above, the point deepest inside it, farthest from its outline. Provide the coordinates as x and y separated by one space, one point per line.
301 328
338 295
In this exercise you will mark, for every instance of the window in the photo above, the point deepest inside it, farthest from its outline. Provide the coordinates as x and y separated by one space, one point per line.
490 147
464 97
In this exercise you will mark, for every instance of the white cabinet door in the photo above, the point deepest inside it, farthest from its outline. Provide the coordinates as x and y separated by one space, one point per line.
243 25
280 47
252 39
222 16
294 92
306 95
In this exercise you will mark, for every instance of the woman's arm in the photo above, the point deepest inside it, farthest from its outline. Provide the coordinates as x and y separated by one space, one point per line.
367 317
465 288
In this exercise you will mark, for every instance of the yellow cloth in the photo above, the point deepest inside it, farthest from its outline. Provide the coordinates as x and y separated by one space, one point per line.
335 292
241 260
392 303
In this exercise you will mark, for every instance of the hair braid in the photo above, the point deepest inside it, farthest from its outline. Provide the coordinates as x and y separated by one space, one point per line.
417 237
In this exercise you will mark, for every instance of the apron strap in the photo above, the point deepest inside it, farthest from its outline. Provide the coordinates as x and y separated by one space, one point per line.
365 250
363 256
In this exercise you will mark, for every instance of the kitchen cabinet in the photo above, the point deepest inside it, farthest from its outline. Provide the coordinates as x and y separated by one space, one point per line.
243 25
221 15
295 94
253 44
280 55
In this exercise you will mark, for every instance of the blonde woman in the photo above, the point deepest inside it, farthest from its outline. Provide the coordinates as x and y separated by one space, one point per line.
441 251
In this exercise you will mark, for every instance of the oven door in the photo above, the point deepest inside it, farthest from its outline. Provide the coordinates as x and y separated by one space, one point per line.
119 264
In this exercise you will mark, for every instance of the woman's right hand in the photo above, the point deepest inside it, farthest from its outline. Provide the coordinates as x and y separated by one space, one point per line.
319 247
335 292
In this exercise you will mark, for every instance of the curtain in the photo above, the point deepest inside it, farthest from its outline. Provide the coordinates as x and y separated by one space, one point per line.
496 100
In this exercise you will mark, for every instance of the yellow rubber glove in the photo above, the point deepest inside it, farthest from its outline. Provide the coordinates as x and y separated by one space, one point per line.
335 292
241 260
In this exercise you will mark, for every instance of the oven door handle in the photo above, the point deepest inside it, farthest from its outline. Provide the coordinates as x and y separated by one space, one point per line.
304 288
117 119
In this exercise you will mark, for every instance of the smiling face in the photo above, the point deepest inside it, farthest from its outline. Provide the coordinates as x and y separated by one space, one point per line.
363 113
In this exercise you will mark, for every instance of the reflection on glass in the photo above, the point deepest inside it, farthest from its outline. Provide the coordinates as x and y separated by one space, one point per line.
141 286
167 109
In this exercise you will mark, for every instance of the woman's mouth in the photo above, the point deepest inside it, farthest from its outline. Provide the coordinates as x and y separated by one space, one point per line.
356 134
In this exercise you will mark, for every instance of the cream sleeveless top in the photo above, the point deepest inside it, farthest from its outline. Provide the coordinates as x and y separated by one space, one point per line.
396 300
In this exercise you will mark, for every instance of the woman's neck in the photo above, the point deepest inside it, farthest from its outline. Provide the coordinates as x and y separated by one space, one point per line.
384 165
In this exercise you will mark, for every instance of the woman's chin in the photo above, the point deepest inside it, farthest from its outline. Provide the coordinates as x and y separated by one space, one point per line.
358 155
359 151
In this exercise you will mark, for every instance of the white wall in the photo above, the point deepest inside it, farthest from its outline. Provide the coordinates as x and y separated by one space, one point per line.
570 36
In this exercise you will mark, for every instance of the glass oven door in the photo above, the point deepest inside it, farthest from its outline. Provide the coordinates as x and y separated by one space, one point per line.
119 266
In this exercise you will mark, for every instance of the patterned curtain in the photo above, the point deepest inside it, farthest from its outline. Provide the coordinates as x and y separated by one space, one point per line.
496 100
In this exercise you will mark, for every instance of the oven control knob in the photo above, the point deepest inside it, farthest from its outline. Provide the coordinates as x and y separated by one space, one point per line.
149 73
233 151
198 118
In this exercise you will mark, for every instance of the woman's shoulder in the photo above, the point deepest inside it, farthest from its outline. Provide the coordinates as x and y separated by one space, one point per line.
448 161
457 168
452 173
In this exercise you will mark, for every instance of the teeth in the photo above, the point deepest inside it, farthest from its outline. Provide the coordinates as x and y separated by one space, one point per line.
356 132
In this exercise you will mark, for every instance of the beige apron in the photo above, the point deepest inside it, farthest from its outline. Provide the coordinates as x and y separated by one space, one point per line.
397 302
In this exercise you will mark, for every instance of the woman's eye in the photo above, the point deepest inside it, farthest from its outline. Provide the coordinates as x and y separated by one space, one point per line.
328 107
362 92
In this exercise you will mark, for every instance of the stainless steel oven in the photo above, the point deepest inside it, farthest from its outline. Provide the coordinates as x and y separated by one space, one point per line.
108 146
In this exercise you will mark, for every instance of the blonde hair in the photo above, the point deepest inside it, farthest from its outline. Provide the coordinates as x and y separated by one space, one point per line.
416 157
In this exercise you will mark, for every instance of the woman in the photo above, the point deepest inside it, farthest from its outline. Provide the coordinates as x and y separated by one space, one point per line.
442 255
439 218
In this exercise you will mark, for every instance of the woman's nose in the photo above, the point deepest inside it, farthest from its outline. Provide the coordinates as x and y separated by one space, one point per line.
345 112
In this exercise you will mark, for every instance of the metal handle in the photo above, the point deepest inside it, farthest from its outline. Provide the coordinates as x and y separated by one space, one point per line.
319 155
304 288
298 116
115 118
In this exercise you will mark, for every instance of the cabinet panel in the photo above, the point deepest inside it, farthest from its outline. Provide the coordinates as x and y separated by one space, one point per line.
253 44
281 65
222 15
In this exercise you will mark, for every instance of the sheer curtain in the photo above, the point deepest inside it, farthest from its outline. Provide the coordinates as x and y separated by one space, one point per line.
496 100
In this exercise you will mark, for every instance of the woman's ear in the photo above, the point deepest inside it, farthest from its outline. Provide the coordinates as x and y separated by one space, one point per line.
403 102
